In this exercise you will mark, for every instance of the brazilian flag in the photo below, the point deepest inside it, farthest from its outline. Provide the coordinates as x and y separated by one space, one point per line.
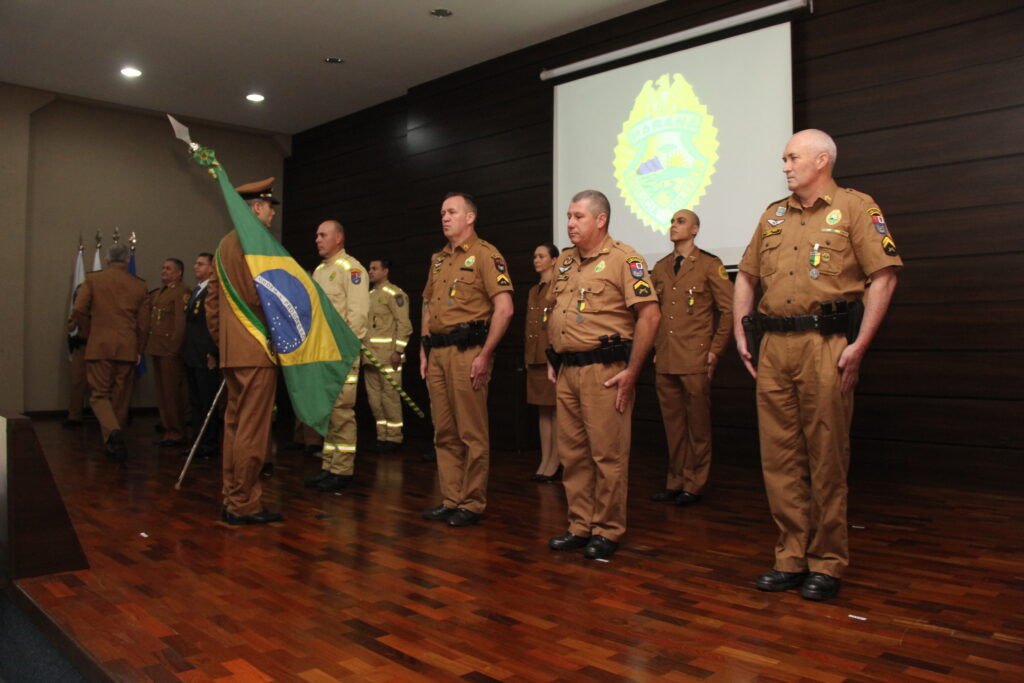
304 333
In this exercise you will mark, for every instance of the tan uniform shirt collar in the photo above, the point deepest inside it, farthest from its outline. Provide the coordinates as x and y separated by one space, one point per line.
465 246
604 248
828 195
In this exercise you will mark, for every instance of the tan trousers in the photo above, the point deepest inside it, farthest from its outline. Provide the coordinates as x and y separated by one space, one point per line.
307 436
111 383
339 451
385 402
461 437
593 445
686 412
168 373
79 385
246 435
804 425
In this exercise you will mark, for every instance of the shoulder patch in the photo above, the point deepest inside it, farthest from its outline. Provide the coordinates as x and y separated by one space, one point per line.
357 276
888 246
499 263
636 267
503 280
877 220
722 272
399 300
641 288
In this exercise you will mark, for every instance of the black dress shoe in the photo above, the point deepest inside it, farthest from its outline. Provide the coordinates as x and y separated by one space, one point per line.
550 478
439 514
685 498
539 478
316 479
313 449
463 517
267 470
666 496
819 586
774 581
264 516
600 548
568 542
333 483
115 446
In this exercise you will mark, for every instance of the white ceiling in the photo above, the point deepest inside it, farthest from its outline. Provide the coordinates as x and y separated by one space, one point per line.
200 58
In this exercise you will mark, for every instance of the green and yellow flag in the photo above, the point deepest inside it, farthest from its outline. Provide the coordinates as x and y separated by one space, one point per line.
304 333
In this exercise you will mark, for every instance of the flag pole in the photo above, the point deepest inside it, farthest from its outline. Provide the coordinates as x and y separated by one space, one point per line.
199 436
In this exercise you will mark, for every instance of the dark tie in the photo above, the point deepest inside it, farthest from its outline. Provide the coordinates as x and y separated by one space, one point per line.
679 260
195 292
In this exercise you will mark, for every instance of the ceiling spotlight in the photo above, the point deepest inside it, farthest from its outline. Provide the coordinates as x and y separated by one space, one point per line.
333 60
130 72
441 12
255 97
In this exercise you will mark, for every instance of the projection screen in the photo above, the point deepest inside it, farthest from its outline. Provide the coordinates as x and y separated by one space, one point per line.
700 129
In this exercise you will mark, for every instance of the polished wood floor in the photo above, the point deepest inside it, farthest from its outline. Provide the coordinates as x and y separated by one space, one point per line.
359 587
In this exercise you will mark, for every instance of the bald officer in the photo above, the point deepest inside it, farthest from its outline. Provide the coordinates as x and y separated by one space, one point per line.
249 370
166 342
467 306
112 311
604 316
386 339
343 279
695 295
823 256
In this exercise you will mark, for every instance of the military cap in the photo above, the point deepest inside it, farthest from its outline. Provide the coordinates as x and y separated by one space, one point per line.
261 189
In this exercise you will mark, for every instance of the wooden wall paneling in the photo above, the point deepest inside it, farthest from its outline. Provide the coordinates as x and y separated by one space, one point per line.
944 374
966 138
841 25
976 230
983 326
959 421
981 41
966 90
985 182
967 279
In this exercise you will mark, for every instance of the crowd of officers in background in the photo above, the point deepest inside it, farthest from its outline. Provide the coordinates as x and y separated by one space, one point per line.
593 317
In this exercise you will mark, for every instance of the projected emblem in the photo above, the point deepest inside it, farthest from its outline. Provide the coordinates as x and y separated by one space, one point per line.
666 152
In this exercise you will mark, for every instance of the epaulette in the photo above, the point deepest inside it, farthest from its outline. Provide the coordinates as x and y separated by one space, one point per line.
706 253
666 257
389 290
343 263
777 201
866 198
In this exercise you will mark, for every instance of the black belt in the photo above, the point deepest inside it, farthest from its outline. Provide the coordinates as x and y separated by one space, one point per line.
465 336
605 355
825 324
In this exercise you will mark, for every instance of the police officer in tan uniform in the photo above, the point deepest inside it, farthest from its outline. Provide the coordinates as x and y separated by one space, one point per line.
695 294
823 256
249 370
604 316
467 306
343 279
386 339
112 311
166 340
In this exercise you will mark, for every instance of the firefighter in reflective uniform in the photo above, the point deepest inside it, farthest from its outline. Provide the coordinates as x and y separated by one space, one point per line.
344 281
386 339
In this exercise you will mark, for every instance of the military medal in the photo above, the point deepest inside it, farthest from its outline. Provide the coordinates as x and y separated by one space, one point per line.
814 273
689 301
581 304
451 293
815 256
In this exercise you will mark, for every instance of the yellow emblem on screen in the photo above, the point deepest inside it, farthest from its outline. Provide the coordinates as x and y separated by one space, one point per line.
666 152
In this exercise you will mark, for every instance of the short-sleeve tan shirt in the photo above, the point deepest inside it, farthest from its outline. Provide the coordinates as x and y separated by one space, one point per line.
462 283
804 256
593 297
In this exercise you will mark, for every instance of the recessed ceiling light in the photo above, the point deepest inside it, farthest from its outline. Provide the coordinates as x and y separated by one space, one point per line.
441 12
333 60
255 97
130 72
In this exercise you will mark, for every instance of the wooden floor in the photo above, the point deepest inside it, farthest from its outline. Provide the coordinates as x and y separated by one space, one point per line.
359 587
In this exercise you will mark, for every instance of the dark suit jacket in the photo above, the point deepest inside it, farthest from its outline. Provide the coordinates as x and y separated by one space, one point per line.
198 341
